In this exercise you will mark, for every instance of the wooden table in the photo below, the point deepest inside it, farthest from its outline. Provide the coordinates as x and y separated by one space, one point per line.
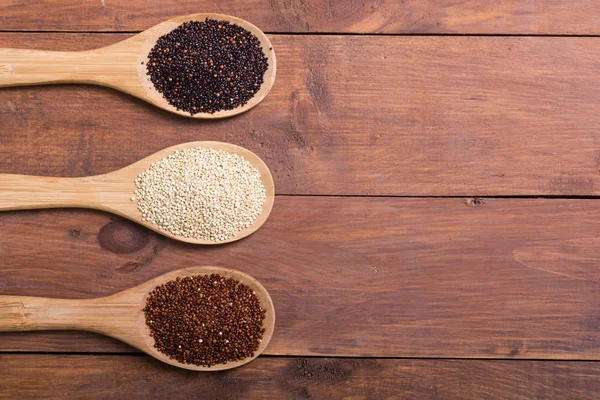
435 233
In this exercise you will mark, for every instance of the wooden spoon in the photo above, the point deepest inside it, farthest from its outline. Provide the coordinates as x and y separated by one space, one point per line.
112 192
119 66
120 315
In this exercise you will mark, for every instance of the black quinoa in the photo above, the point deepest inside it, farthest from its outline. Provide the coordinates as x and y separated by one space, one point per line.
205 320
207 66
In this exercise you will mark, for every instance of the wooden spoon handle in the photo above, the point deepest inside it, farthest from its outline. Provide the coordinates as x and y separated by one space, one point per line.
104 315
22 192
112 316
21 313
36 67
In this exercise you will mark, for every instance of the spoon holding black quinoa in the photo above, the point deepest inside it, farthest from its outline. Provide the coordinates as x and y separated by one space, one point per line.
198 65
199 318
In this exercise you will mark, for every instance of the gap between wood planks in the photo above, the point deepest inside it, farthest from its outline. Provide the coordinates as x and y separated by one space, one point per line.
508 196
316 357
133 32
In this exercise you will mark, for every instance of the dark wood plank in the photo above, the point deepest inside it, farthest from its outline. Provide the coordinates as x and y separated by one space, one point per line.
351 276
348 16
131 377
414 116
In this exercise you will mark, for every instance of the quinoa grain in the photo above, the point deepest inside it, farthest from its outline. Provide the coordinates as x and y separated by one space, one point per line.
190 322
207 66
201 193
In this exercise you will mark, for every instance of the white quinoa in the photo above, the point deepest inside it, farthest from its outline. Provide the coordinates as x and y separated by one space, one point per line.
201 193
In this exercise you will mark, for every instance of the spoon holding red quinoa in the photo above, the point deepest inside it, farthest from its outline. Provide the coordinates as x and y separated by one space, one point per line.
200 318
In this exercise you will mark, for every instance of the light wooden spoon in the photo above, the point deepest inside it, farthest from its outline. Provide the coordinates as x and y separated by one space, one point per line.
112 192
119 66
121 315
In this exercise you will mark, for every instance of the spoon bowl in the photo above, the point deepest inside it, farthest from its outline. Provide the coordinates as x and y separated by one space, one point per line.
122 66
121 315
113 192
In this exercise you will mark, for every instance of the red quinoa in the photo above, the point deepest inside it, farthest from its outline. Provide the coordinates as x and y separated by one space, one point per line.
205 320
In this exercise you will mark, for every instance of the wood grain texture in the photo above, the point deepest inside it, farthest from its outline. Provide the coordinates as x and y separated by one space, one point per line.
388 277
418 116
132 377
348 16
